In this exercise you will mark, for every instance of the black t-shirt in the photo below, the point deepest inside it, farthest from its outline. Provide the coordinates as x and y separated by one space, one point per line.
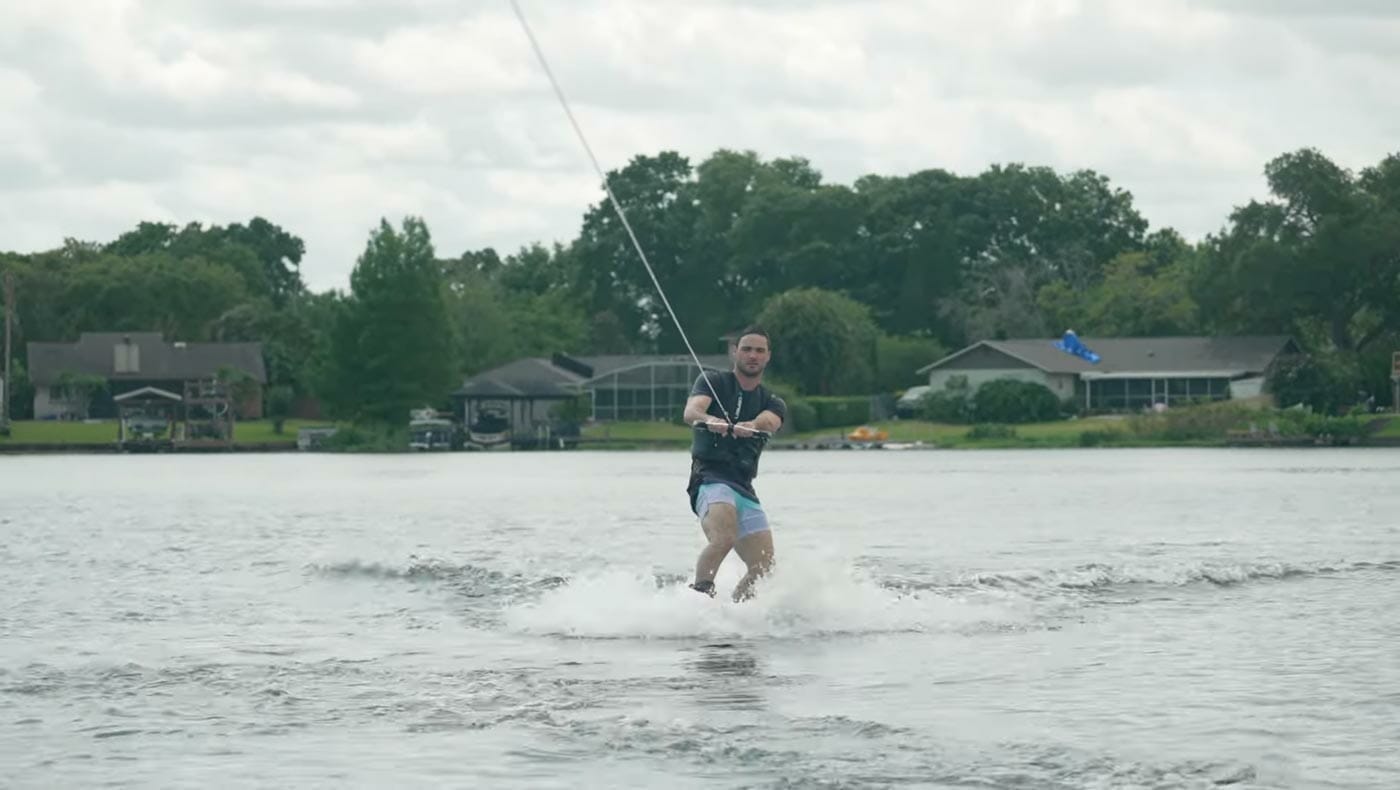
743 406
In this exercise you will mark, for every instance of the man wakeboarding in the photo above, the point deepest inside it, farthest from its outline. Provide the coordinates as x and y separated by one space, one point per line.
728 439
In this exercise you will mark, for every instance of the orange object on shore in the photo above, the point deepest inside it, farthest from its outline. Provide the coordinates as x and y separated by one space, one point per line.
867 434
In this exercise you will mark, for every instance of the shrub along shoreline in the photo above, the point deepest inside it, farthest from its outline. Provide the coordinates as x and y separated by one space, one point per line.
1225 424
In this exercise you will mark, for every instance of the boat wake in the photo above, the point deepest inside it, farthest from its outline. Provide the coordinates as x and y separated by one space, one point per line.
469 580
799 599
813 596
1103 577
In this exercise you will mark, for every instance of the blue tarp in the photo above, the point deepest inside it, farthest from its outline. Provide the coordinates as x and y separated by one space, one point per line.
1070 344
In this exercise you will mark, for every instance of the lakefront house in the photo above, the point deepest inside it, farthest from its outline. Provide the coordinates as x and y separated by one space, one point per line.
89 378
1132 373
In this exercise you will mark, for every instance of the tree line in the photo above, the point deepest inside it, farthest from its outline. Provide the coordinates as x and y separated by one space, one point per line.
860 284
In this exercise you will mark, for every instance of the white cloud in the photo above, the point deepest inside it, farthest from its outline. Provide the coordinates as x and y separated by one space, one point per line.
325 115
298 89
447 59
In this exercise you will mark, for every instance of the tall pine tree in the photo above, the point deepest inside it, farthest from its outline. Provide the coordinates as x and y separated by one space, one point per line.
393 344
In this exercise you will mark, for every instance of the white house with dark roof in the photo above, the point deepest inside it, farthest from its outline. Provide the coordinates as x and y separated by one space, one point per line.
1132 373
131 361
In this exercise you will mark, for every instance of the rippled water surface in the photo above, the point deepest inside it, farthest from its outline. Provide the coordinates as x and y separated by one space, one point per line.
1028 619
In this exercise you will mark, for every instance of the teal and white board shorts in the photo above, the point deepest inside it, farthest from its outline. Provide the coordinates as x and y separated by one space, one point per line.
752 519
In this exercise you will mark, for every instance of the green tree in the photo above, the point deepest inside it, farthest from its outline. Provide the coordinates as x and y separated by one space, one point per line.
520 306
822 341
82 389
146 292
536 270
914 247
393 343
543 324
1320 261
1132 300
899 357
1028 227
279 405
240 385
324 313
791 236
294 337
657 194
721 237
1327 383
278 251
265 256
606 335
482 324
20 391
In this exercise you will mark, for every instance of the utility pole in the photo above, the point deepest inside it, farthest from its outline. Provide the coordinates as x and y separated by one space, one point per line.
9 322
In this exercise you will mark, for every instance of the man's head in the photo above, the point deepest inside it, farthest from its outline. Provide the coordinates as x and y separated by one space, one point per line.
751 351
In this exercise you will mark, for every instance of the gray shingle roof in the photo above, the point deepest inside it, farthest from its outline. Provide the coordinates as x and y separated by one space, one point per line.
530 377
93 354
1238 355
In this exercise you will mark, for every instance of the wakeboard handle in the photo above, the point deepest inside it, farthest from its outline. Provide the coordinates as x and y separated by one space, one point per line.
705 424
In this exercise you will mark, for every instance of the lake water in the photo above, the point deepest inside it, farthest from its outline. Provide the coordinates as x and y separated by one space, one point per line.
1021 619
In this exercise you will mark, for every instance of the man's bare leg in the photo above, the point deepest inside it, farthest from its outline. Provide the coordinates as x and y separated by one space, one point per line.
721 525
756 551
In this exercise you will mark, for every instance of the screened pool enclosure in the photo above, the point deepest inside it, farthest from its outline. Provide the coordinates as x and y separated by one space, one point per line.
651 390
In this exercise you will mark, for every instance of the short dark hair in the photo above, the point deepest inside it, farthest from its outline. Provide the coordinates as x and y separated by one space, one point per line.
752 329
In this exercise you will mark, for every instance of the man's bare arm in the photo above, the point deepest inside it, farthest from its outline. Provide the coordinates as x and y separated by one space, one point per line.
696 409
768 421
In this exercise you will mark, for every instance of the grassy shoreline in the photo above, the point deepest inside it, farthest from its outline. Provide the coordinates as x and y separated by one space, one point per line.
1109 431
72 432
1102 431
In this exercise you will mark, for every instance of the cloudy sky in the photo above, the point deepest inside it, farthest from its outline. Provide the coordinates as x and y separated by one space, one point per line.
325 115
